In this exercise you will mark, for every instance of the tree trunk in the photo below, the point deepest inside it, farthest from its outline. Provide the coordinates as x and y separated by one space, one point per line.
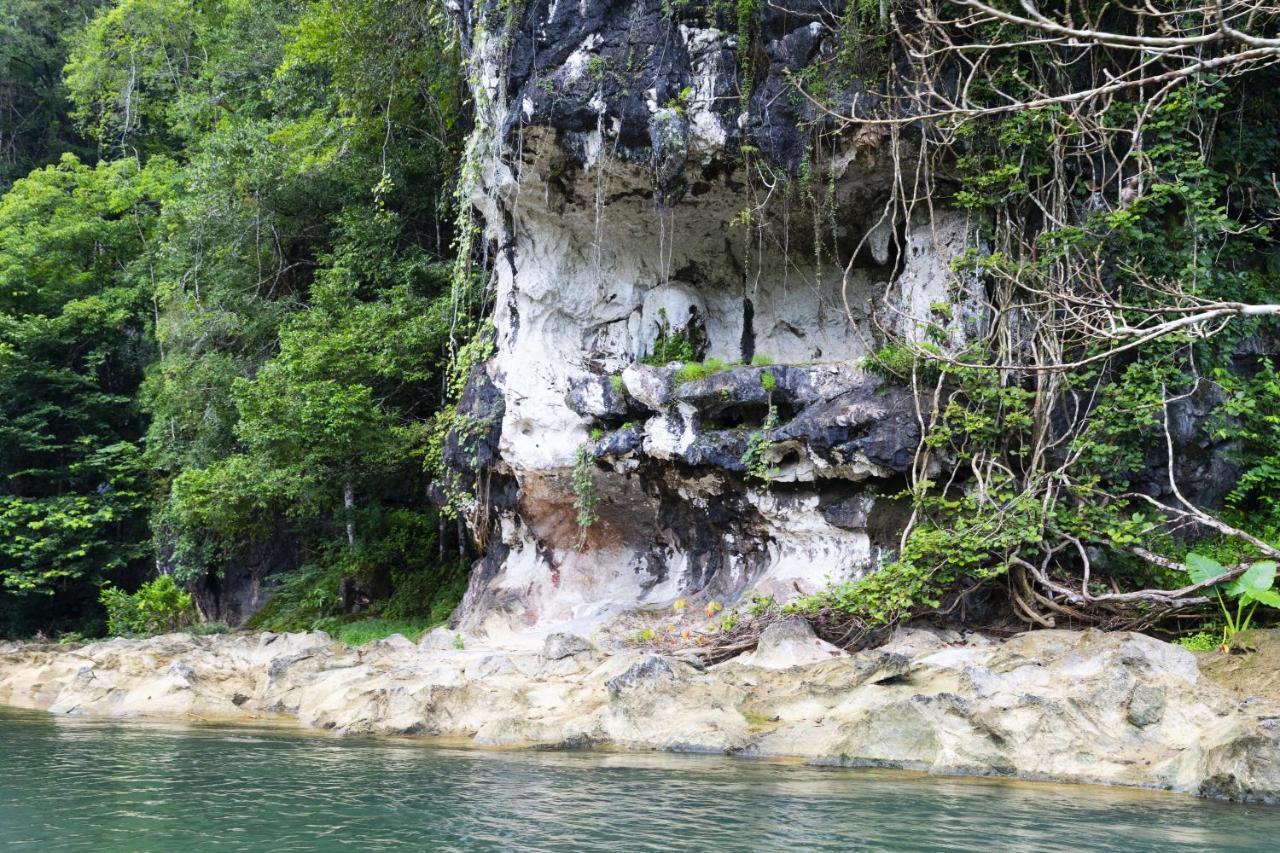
349 502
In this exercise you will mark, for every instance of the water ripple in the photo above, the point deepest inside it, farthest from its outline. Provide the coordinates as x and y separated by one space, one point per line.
76 785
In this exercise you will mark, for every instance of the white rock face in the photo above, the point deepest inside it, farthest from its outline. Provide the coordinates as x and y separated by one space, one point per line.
1120 708
806 551
927 293
599 255
707 132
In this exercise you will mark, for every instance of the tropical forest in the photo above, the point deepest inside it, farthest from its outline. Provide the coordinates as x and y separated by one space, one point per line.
544 390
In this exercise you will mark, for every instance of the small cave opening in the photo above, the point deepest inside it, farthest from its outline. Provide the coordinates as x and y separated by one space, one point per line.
610 422
748 345
750 415
859 246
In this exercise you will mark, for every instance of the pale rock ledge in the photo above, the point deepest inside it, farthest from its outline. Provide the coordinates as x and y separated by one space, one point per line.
1118 708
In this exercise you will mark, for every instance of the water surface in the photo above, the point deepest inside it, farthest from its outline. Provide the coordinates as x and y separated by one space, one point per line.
84 785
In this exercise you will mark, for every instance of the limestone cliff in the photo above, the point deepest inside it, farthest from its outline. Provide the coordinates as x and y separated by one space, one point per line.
637 189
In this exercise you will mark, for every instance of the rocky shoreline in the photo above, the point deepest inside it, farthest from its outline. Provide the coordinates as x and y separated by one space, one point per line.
1089 707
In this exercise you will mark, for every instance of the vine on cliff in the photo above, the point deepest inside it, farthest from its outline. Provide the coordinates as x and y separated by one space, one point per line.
1115 164
585 499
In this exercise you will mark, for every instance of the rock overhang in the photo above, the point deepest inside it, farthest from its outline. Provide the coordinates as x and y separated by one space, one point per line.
621 187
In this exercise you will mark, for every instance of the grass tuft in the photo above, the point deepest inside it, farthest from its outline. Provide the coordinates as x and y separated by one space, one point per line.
695 370
368 630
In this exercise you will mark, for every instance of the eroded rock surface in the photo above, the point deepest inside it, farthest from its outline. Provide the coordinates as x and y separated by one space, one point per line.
618 191
1088 707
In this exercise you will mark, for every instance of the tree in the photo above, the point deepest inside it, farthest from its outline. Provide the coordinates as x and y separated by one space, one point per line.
74 340
331 431
307 246
35 127
234 329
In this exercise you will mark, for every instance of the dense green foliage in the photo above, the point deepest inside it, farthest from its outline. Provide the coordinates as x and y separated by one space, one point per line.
75 336
1028 480
35 128
156 607
233 326
223 344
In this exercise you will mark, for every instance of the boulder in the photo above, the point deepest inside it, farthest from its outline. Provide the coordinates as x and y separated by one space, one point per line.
650 670
787 644
650 386
559 646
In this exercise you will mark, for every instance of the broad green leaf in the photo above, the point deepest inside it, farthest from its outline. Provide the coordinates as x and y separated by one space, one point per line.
1269 597
1259 577
1202 568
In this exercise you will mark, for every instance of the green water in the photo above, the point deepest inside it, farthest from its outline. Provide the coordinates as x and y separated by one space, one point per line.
98 786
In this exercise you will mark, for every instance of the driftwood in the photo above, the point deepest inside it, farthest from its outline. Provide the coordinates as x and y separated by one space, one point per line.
840 629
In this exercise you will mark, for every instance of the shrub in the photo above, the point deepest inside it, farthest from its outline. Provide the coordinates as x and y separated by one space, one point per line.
1202 641
1250 589
448 597
756 457
671 345
300 599
157 607
402 547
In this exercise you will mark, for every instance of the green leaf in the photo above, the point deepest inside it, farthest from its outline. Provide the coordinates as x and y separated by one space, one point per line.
1269 597
1259 577
1202 568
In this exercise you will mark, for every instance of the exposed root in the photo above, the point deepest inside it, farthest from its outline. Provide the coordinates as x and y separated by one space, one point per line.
840 629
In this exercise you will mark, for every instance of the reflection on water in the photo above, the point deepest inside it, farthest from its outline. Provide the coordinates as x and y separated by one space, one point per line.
100 786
